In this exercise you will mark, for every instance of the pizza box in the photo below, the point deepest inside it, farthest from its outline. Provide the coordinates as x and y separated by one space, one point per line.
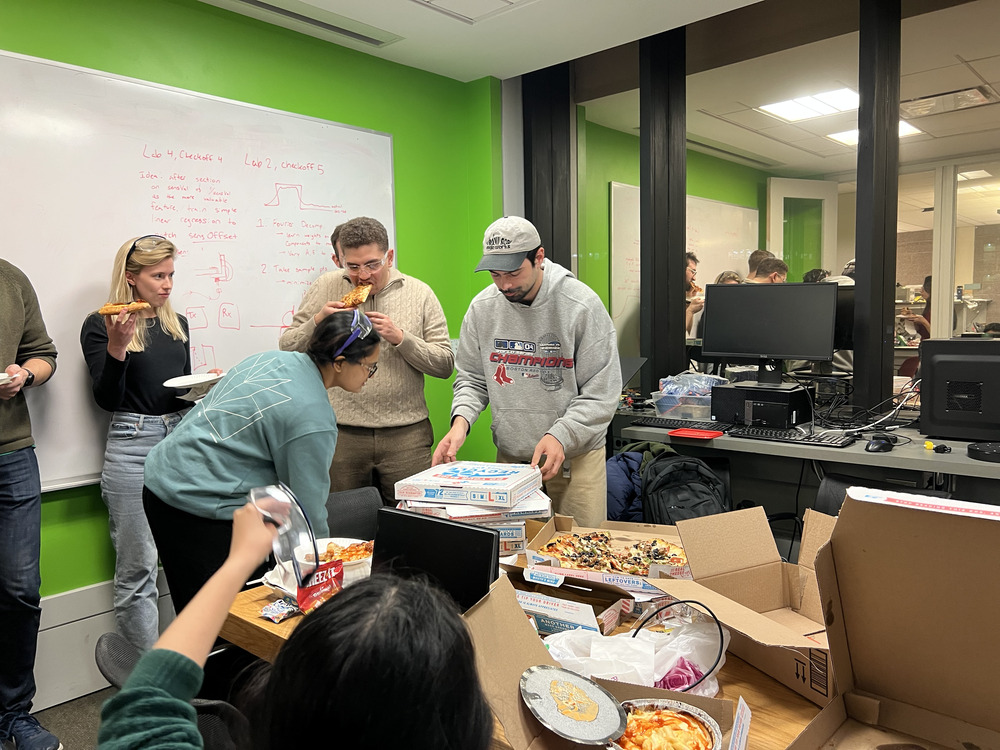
622 535
505 645
483 483
911 588
771 607
511 536
535 505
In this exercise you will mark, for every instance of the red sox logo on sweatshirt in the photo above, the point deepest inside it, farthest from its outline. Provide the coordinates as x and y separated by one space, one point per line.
532 360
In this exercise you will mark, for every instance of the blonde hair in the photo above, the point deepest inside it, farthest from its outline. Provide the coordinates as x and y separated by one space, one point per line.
148 252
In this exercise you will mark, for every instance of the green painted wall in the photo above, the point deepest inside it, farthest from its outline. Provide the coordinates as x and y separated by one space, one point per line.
446 150
608 155
803 236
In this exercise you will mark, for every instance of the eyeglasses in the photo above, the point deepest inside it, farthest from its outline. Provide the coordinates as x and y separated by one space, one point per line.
372 368
360 328
135 245
371 266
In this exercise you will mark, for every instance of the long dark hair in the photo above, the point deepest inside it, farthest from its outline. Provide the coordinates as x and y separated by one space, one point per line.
331 333
386 663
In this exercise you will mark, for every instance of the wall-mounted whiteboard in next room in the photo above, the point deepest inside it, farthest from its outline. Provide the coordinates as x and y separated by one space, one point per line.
720 234
249 195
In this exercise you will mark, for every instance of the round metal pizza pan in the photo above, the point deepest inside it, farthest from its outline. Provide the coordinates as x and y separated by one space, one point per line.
658 704
536 692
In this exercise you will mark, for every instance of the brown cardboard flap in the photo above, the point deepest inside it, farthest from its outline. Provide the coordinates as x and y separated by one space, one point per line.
736 616
728 541
792 620
920 595
816 530
505 646
761 588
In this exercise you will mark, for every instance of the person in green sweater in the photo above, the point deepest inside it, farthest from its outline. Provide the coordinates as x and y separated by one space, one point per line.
268 420
386 663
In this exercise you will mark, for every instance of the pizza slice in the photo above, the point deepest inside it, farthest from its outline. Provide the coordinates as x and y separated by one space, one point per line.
357 295
113 308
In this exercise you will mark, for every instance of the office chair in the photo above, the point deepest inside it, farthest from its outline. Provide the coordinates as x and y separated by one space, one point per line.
353 513
116 658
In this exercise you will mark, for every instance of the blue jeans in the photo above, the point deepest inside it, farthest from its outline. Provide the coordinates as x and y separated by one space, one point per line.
20 548
130 438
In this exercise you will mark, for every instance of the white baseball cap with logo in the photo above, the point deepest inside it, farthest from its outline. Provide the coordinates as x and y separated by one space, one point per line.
506 242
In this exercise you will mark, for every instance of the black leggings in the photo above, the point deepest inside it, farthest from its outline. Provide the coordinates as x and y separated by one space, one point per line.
191 548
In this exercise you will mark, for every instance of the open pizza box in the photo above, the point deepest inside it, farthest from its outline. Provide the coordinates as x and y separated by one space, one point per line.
911 590
622 535
506 645
772 608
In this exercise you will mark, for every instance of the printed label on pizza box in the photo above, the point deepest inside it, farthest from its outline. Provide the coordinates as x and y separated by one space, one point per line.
536 505
632 584
552 615
510 531
515 547
472 483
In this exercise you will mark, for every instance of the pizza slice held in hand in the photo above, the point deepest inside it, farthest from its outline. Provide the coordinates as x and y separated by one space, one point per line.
357 295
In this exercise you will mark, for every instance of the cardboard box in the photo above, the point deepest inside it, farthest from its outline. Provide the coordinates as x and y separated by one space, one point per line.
622 535
506 645
771 608
535 505
911 590
482 483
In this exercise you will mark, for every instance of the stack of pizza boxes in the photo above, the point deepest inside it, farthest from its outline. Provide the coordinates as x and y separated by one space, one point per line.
501 496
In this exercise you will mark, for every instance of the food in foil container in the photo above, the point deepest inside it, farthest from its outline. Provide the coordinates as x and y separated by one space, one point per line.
661 724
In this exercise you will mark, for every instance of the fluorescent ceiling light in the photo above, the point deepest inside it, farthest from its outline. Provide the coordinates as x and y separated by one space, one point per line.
850 137
977 174
807 107
948 102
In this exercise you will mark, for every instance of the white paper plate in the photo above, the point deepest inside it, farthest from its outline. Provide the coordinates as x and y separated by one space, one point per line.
190 381
281 578
321 544
5 378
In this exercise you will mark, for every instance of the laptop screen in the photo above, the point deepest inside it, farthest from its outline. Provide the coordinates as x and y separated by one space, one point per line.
461 558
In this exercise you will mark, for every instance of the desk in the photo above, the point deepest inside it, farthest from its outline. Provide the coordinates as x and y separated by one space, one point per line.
778 713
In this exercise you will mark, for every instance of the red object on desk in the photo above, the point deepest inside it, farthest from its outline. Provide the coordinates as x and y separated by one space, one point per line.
697 434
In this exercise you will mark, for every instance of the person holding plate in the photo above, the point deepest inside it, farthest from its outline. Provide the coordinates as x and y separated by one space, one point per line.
129 355
268 420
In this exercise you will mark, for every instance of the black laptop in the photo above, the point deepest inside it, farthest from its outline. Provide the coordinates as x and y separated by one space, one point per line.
461 558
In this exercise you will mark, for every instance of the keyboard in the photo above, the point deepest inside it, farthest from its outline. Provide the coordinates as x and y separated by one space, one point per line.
665 423
792 436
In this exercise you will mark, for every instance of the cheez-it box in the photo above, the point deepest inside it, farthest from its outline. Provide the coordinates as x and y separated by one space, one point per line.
472 483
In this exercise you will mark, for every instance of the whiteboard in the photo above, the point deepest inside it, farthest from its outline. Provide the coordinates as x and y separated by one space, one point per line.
722 235
249 195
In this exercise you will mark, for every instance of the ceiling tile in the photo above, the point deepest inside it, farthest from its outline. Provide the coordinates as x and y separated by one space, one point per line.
938 81
986 117
724 108
471 9
751 118
988 68
786 133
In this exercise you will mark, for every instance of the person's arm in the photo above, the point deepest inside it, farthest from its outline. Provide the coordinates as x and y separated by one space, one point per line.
153 709
471 393
316 305
35 351
107 361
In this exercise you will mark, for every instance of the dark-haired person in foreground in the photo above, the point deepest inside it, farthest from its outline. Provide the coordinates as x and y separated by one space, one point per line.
268 420
386 663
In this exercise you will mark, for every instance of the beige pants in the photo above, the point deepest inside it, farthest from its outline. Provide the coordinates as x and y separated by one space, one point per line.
380 457
584 493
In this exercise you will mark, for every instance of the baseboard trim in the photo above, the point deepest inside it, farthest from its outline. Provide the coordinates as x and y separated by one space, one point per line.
70 626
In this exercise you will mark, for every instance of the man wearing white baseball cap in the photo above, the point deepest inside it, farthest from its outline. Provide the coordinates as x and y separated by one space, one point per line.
541 350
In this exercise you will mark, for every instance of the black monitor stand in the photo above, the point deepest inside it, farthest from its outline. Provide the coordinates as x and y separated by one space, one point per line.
771 378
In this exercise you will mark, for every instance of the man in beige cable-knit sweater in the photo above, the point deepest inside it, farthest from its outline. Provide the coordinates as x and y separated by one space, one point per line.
385 432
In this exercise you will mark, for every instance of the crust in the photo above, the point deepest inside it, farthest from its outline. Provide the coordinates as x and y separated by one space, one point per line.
113 308
357 295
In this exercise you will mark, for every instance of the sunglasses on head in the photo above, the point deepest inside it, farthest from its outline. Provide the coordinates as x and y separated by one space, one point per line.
135 245
361 326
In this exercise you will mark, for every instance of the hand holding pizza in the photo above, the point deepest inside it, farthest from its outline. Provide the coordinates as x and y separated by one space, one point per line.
447 449
385 327
121 329
554 454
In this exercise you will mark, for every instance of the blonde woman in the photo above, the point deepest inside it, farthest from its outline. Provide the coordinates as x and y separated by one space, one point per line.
129 356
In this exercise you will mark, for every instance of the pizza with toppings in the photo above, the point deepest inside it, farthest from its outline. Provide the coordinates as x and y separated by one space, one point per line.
664 729
593 551
357 295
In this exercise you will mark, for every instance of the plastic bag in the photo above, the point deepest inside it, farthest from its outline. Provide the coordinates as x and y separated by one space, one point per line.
690 384
671 660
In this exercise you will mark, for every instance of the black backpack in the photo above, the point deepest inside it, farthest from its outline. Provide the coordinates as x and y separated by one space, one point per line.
678 487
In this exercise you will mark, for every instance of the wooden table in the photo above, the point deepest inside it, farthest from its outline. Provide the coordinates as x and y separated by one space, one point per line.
779 714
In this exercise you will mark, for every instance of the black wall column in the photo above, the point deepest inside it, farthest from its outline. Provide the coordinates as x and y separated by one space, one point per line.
662 209
546 97
878 169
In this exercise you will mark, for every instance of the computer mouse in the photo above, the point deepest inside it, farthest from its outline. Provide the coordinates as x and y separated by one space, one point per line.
879 444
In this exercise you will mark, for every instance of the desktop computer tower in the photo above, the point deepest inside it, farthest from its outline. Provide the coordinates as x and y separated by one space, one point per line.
960 389
761 406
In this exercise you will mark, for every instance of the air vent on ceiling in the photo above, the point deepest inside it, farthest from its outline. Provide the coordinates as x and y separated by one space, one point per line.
948 102
472 11
313 21
730 154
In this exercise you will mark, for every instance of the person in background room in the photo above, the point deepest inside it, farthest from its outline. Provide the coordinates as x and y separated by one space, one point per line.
540 349
28 359
694 301
382 636
385 432
268 420
754 261
815 276
770 271
921 322
129 356
729 277
993 329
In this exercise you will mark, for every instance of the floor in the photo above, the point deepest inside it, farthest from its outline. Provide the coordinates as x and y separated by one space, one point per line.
75 722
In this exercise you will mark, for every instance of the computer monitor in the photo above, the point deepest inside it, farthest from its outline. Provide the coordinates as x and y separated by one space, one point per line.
769 323
461 558
843 331
960 389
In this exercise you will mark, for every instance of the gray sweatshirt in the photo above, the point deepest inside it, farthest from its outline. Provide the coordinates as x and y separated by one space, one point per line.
549 367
